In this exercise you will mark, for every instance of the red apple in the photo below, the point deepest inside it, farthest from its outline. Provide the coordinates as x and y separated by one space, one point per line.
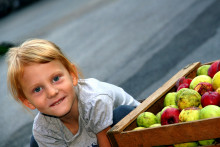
203 87
183 80
214 68
170 116
184 85
210 98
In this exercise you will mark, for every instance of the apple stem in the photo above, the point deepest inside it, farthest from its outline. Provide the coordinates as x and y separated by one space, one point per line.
171 121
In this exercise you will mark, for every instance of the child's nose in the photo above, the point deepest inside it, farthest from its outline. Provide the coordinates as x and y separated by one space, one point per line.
52 91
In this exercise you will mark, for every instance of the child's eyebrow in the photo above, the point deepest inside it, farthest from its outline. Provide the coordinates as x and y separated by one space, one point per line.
58 72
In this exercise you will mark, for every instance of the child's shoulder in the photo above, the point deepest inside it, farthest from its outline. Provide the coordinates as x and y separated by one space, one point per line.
91 88
88 81
97 85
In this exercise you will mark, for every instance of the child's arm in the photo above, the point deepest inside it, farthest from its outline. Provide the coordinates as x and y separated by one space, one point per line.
103 139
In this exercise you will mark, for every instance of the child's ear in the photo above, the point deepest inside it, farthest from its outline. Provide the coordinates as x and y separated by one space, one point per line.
74 76
27 103
75 79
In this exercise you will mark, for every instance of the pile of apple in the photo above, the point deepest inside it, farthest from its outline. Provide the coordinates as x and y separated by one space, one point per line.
194 99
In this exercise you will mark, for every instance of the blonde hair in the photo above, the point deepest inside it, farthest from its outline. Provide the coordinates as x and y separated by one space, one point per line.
33 51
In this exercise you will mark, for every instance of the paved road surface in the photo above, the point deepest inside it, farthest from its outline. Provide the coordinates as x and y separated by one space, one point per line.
137 45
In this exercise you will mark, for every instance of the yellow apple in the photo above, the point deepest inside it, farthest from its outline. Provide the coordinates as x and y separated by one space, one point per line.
216 81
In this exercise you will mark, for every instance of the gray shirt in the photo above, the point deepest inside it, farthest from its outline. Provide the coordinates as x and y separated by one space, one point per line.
96 102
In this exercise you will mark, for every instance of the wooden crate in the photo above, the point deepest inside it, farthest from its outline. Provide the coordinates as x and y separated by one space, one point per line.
122 134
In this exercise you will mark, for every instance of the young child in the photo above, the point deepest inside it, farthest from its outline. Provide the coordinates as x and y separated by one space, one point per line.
72 111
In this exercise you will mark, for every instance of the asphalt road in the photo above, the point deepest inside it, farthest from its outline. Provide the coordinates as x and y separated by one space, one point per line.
137 45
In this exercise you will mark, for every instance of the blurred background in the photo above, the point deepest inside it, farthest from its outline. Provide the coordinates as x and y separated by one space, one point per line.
137 45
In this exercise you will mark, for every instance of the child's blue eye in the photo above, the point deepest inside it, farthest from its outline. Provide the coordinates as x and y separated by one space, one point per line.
55 79
38 89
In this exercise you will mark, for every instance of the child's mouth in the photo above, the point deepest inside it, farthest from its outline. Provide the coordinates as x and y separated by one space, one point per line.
57 102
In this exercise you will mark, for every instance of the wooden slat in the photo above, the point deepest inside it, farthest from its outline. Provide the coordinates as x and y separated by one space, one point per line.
171 134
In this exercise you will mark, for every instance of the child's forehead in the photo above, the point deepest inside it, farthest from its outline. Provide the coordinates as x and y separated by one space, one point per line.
40 68
36 69
51 64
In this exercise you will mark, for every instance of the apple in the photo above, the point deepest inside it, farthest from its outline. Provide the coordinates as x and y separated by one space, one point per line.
210 98
155 125
218 90
214 68
216 81
178 93
188 144
199 79
170 99
188 98
158 115
207 142
170 106
170 116
183 80
209 112
146 119
203 70
139 128
189 114
203 87
184 85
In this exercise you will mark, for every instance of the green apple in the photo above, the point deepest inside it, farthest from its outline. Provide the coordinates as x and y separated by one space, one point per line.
155 125
170 99
189 114
180 92
146 119
158 115
188 98
216 81
207 142
188 144
199 79
210 111
202 70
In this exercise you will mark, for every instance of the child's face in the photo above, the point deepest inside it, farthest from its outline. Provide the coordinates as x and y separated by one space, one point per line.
49 87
